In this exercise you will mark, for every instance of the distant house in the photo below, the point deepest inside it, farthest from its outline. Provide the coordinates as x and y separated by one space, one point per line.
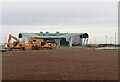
61 39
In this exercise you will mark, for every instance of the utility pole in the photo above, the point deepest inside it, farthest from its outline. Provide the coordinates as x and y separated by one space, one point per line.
95 40
106 39
115 40
111 40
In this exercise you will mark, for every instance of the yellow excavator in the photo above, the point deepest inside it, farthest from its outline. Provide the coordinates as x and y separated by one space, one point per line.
45 45
15 45
38 43
35 44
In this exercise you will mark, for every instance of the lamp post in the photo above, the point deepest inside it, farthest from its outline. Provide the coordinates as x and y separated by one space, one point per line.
106 39
95 40
111 40
115 40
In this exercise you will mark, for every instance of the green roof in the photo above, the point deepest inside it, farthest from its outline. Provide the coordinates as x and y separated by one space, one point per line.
67 36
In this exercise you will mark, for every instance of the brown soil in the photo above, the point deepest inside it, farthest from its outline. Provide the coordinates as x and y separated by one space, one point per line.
60 64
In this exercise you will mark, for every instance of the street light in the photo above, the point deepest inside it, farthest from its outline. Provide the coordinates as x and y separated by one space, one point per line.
106 39
95 40
111 40
115 40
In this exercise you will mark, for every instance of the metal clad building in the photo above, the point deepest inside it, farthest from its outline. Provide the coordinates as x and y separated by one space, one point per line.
62 39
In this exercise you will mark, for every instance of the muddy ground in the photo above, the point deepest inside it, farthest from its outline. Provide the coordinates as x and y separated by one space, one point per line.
60 64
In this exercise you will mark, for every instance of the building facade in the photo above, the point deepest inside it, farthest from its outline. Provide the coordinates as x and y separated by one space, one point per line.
61 39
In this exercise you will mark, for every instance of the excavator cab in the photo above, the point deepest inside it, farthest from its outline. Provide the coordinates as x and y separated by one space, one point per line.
35 43
46 45
15 43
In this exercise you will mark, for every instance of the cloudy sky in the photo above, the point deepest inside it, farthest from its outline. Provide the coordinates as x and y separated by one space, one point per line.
98 19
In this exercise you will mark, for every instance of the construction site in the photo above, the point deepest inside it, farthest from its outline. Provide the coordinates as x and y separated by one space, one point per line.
59 40
46 40
56 56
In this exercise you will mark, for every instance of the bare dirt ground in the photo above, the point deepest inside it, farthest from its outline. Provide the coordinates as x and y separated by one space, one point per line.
60 64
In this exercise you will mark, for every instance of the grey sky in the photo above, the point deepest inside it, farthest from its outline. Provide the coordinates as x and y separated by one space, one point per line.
70 13
92 17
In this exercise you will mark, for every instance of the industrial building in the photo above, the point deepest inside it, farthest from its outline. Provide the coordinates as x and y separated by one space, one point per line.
61 39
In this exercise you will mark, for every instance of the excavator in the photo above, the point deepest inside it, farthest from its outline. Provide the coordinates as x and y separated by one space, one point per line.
39 43
15 45
45 44
35 43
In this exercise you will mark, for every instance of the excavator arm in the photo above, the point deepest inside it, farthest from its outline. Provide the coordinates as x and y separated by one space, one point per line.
9 39
12 37
35 43
15 44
